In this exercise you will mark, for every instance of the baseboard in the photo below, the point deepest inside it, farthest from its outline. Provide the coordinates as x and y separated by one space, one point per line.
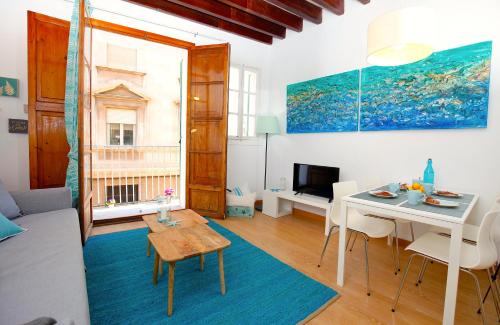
306 214
114 221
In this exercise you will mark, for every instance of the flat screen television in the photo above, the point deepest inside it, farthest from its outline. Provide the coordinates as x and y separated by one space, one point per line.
315 180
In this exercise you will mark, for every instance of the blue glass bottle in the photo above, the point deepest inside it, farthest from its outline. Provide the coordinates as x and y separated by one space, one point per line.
429 172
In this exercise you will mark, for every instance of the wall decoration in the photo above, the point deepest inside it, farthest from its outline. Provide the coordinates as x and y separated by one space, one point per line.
9 87
448 90
18 126
328 104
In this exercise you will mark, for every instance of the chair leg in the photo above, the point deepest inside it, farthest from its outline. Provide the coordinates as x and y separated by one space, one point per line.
495 282
422 271
352 245
412 233
398 267
402 282
366 265
326 244
393 247
494 278
494 293
479 294
348 239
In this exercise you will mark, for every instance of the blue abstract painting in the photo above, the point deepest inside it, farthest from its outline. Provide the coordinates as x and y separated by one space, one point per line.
328 104
448 90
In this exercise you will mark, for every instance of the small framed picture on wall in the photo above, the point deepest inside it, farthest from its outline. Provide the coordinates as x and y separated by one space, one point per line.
9 87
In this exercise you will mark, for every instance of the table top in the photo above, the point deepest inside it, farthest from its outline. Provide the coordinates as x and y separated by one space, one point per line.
400 204
187 217
175 244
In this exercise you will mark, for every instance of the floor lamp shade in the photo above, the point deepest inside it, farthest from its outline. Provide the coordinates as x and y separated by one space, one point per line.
267 125
401 36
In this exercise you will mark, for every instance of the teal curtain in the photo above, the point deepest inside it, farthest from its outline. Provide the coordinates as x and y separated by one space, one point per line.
71 101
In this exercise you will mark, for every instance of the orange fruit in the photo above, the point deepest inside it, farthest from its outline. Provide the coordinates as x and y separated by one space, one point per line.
416 186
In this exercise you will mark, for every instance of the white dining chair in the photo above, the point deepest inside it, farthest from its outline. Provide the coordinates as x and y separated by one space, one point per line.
367 227
469 234
374 182
481 256
470 231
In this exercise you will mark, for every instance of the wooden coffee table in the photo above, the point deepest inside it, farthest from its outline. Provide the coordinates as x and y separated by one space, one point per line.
177 244
187 217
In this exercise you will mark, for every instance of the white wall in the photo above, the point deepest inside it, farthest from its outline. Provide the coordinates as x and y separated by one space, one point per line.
14 160
463 159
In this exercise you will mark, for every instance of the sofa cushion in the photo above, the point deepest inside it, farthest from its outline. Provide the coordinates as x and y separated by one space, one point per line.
42 271
43 200
237 191
8 228
8 206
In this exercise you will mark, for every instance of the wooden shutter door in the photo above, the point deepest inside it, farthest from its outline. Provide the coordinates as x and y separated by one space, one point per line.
48 147
207 129
85 123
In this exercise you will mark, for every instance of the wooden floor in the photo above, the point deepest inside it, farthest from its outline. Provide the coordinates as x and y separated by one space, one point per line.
297 241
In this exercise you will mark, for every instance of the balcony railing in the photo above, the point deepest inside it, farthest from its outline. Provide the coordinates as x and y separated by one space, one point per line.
132 174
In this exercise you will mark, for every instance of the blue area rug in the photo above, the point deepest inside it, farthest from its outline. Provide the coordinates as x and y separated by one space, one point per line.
260 288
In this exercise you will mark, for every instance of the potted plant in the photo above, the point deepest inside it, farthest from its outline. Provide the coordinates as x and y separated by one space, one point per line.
110 203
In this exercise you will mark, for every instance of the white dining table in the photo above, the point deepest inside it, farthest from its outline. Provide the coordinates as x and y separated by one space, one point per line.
400 209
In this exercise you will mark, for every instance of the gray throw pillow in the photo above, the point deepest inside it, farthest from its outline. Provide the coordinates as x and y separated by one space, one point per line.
8 206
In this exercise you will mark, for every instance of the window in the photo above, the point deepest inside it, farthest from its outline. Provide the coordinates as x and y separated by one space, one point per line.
123 193
121 127
242 101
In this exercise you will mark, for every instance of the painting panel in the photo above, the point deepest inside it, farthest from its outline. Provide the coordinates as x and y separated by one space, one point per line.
328 104
447 90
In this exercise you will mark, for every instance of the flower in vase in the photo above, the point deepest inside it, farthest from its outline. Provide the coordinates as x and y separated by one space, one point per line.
169 191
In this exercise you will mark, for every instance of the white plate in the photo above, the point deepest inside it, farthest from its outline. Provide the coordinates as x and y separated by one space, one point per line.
375 193
453 194
444 204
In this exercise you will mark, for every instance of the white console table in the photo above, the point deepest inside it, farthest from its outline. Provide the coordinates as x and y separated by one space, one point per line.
278 204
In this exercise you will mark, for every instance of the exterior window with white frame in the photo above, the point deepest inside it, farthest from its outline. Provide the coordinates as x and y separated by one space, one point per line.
121 125
242 101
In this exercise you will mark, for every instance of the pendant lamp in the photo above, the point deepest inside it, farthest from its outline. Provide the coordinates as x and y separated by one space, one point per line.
402 36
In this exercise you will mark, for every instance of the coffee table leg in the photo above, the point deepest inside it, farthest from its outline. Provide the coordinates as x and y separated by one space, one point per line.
155 268
202 262
148 250
161 267
171 270
221 272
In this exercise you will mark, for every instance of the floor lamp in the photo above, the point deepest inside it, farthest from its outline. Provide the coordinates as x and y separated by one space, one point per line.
266 125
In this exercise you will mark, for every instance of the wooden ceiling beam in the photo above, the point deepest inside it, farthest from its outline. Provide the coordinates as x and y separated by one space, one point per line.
198 17
233 15
268 11
335 6
303 9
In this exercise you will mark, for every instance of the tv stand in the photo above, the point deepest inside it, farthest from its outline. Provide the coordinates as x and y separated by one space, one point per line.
278 204
297 193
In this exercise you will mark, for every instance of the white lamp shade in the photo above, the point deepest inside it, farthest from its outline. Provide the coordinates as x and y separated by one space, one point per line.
401 37
267 124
